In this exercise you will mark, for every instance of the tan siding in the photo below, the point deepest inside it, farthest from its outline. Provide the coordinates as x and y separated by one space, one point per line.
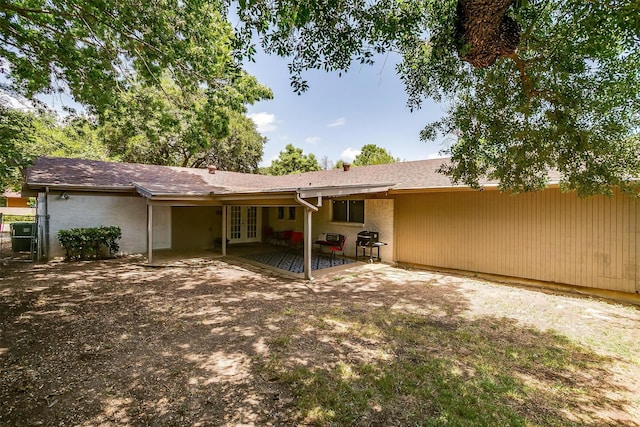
549 236
636 226
284 224
195 227
17 202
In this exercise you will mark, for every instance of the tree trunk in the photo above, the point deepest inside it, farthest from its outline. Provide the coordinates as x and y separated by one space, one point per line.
485 32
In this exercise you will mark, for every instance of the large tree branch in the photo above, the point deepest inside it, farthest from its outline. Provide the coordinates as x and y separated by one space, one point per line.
527 85
485 32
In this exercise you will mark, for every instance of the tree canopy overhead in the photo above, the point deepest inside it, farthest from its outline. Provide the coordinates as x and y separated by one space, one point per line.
96 49
163 76
532 85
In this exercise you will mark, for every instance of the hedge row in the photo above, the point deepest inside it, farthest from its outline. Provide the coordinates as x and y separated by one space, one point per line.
90 243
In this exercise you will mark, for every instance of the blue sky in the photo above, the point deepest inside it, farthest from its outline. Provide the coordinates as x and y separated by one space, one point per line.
338 115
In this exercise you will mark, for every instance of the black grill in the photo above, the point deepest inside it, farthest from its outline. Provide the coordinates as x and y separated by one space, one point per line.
367 238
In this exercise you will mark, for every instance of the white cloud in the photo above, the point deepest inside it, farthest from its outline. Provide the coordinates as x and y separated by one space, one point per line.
265 163
265 122
338 122
434 156
349 154
313 140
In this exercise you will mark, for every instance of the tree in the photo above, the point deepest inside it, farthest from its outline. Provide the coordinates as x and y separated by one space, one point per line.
532 85
240 151
325 163
98 49
16 130
27 135
371 154
168 126
292 160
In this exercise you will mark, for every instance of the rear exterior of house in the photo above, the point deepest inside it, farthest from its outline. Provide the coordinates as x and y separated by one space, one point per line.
547 236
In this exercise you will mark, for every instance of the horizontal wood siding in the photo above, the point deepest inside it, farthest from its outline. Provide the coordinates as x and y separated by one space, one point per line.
549 235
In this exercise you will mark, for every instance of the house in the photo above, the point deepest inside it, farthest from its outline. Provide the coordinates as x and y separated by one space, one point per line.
12 204
13 199
547 236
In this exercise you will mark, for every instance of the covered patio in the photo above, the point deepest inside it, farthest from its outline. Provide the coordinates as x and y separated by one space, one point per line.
263 255
240 222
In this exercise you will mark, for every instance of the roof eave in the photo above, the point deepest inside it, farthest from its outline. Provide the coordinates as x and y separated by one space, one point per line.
453 188
75 187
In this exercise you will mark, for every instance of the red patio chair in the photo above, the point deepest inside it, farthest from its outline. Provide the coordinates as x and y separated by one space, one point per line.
338 246
297 239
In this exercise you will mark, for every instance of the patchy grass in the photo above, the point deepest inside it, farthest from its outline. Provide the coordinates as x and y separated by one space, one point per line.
208 343
387 368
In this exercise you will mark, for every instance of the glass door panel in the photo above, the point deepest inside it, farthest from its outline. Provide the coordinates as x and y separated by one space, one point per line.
235 223
244 224
252 222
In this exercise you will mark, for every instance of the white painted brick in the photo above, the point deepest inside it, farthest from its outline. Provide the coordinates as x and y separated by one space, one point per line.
127 212
378 216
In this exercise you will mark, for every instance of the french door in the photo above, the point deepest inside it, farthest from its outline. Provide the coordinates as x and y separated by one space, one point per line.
244 224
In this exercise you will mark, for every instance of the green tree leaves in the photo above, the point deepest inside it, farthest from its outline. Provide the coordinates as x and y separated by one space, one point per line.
168 126
566 100
25 136
371 154
292 160
16 131
98 49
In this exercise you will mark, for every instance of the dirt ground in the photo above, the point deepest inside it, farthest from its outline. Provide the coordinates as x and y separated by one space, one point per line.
118 343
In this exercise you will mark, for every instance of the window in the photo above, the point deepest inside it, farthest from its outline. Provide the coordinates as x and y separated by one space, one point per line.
348 211
290 212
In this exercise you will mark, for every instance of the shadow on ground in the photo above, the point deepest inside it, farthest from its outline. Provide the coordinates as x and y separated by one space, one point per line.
209 343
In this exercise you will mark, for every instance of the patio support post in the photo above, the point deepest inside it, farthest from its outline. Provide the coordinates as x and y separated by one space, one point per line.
308 243
149 233
223 244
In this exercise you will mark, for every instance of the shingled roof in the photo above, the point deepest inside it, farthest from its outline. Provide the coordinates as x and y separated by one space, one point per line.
57 172
151 180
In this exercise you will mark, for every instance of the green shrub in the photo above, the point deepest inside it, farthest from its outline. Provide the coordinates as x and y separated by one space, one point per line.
90 243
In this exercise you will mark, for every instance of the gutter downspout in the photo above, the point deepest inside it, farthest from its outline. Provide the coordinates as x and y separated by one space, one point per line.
308 212
46 223
223 244
149 233
305 203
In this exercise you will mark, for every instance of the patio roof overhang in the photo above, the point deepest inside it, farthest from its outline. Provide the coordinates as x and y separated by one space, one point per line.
218 196
343 190
261 196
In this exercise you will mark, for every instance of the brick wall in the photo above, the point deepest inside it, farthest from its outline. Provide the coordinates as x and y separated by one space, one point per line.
127 212
378 216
